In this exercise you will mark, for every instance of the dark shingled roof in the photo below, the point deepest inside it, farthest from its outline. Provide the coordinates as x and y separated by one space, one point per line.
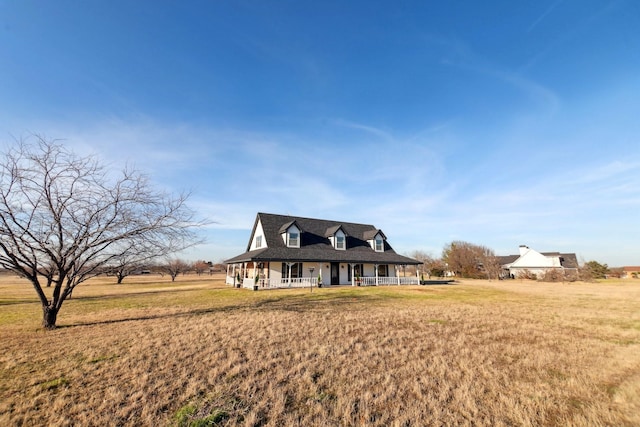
370 234
507 259
566 260
315 245
284 227
331 231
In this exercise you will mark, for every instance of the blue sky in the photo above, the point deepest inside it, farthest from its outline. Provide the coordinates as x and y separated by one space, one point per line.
499 123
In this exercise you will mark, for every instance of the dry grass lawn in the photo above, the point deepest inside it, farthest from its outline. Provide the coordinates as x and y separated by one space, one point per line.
194 352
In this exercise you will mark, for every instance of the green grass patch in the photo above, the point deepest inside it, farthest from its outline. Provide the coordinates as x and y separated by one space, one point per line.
188 416
184 415
55 384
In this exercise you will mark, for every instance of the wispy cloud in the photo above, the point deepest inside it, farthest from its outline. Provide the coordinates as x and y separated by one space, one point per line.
459 54
371 130
543 16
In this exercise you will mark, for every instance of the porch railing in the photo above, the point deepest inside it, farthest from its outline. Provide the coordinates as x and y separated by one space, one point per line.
297 282
387 281
294 282
305 282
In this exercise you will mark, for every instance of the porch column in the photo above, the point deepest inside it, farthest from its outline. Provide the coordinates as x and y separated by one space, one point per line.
398 274
376 269
353 274
289 264
233 273
319 273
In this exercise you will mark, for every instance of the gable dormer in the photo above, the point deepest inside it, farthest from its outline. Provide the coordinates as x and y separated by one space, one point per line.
376 239
337 237
258 240
290 233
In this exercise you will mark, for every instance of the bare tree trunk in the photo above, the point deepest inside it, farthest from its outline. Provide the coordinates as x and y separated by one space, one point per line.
49 317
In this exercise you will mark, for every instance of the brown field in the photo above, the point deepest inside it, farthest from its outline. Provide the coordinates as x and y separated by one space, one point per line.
193 352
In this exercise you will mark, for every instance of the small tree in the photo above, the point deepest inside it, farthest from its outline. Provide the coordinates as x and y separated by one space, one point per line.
426 259
122 266
66 218
438 268
553 275
175 267
595 270
134 258
201 266
489 262
469 260
527 274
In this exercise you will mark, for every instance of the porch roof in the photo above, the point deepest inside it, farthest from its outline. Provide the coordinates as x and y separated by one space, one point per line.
313 254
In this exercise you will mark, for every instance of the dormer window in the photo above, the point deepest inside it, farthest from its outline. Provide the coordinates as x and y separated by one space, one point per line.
258 242
293 239
337 237
291 234
376 239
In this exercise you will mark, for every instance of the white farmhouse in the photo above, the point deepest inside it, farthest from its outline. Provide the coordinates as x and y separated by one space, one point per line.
531 262
286 251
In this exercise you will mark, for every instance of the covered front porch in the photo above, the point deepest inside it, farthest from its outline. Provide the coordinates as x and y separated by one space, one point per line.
277 275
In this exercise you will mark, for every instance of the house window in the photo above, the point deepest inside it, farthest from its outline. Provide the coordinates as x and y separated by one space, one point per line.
340 242
295 269
294 239
379 244
383 270
258 241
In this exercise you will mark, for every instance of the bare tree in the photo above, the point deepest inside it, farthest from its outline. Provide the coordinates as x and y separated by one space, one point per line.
134 259
201 266
427 261
174 267
66 217
124 266
461 258
489 262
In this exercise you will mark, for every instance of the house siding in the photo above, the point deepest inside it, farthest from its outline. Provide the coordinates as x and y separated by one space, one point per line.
258 232
275 271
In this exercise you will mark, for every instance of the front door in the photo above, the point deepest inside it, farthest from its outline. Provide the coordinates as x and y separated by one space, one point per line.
335 273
